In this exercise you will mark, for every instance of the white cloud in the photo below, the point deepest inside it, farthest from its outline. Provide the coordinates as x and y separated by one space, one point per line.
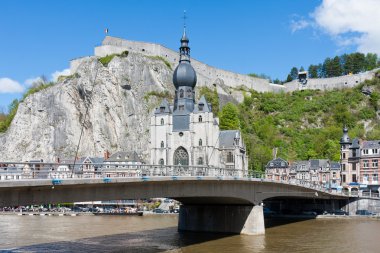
33 80
8 85
56 74
296 25
351 22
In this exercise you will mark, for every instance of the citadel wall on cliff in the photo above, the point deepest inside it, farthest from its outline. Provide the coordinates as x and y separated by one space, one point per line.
208 75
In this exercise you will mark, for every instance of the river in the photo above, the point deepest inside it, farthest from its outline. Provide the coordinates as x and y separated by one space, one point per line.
158 233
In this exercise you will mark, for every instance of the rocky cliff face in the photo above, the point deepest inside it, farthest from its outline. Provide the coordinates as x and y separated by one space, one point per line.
110 100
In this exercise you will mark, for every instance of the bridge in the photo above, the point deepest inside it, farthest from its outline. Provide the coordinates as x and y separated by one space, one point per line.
213 199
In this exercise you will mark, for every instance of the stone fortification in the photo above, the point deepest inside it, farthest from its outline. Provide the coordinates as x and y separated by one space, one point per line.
208 75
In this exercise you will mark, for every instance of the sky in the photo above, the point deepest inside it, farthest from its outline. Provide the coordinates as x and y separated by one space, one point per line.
245 36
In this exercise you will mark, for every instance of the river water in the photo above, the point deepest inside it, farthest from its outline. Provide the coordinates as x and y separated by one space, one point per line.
158 233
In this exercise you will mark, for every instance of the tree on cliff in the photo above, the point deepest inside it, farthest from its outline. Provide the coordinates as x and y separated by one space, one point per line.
294 73
229 117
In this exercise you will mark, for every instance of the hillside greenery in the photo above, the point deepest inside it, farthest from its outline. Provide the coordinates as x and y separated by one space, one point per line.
304 124
160 58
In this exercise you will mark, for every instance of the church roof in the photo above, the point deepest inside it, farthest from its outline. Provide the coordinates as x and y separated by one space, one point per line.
227 138
203 105
163 108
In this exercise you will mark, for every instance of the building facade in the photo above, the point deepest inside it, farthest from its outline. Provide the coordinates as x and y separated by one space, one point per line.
312 173
359 163
187 133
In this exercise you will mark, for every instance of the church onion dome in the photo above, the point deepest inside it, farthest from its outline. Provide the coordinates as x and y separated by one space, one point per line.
184 75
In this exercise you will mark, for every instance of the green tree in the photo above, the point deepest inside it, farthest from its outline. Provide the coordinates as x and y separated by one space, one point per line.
370 61
301 69
294 73
289 78
313 71
229 117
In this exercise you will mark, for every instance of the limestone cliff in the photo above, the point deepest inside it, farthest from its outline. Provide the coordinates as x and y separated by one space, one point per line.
48 123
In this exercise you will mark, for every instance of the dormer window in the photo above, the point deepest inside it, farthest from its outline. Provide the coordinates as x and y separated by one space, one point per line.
200 118
200 107
162 109
181 107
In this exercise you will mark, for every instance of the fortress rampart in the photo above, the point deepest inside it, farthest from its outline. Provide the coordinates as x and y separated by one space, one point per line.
207 75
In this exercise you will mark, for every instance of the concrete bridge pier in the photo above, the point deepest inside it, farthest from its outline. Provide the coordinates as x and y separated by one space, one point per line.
239 219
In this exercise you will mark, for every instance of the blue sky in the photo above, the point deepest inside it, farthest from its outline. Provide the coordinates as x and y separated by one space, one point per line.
252 36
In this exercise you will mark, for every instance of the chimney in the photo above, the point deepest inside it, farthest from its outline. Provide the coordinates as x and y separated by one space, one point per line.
106 155
58 160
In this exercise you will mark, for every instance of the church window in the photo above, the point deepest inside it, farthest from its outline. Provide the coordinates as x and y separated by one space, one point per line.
181 157
200 142
162 144
230 157
162 162
200 107
162 109
162 121
200 160
189 93
181 93
181 107
200 118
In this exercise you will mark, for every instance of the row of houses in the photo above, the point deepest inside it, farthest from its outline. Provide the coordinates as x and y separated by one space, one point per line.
357 170
85 167
312 173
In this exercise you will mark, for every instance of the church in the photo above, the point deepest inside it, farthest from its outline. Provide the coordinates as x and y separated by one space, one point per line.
187 133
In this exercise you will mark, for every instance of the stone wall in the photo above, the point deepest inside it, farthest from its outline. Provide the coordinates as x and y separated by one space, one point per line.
209 76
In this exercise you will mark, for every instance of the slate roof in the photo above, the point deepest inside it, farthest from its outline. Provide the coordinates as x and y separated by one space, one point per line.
227 137
277 163
318 163
371 144
355 143
166 107
206 105
122 156
335 166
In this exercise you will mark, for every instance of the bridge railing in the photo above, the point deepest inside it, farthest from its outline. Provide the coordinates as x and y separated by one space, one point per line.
35 170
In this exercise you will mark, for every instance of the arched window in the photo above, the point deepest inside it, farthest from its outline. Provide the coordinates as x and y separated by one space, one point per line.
200 142
200 160
181 93
162 144
230 157
181 157
189 93
162 121
162 162
200 118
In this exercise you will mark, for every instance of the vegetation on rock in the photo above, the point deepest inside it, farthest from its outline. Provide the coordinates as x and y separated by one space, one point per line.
157 57
108 58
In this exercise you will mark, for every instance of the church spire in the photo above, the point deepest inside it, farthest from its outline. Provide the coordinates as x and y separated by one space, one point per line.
184 50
